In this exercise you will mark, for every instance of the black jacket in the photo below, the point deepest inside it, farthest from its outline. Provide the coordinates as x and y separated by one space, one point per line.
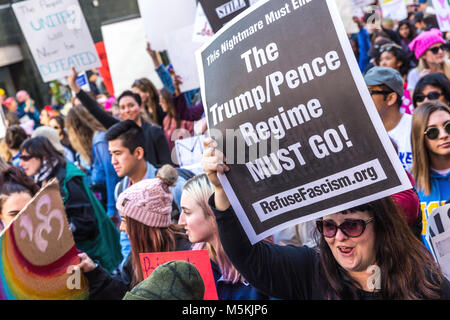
157 150
284 272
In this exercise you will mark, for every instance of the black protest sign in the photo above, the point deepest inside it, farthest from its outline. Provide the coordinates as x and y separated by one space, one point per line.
283 78
219 12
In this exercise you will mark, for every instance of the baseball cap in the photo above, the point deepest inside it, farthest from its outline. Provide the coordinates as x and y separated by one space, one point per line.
389 77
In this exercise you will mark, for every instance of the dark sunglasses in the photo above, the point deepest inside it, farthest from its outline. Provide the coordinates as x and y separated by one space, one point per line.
352 228
384 93
433 95
433 133
26 158
390 47
435 50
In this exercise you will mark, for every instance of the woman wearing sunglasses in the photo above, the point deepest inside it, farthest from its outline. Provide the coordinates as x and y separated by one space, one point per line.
357 246
430 137
429 48
434 86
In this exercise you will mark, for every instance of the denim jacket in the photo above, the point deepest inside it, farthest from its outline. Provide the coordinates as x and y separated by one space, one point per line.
103 172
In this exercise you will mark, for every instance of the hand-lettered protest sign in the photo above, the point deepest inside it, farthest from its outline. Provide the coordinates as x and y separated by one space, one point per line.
438 236
199 258
394 9
38 253
328 150
58 37
220 12
442 8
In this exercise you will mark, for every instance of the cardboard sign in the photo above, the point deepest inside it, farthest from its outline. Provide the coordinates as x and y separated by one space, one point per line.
199 258
162 17
202 29
58 37
310 141
220 12
394 9
442 9
347 11
128 59
438 235
38 253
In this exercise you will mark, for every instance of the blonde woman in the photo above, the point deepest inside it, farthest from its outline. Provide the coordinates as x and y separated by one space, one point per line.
87 137
431 154
429 48
201 228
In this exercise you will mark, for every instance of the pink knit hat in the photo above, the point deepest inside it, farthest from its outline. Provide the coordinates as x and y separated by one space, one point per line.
21 96
424 41
150 201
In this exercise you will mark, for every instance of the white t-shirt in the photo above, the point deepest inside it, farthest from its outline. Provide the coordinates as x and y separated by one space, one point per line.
413 79
401 135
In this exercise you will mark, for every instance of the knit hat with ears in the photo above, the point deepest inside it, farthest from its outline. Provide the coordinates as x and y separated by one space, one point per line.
425 40
150 201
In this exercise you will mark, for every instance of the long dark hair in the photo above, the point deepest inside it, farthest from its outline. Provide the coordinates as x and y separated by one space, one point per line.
42 149
408 271
171 111
438 80
412 31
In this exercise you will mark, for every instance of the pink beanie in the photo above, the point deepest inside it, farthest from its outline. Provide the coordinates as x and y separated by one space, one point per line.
424 41
150 201
21 96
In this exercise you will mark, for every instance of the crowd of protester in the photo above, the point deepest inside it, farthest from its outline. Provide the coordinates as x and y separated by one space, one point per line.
124 193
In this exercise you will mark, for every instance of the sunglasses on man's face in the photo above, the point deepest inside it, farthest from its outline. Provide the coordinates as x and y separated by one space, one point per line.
433 95
352 228
433 133
436 50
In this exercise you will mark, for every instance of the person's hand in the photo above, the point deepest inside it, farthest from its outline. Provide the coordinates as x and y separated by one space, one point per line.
213 162
153 55
86 264
72 80
358 22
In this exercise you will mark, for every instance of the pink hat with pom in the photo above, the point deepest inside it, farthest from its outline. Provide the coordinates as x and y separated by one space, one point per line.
425 40
150 201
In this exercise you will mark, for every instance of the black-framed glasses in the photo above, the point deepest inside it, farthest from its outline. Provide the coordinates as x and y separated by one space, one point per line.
26 158
352 228
433 95
433 133
436 50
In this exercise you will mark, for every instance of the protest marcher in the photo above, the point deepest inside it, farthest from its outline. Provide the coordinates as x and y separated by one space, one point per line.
172 122
374 53
16 190
14 138
393 56
53 136
26 107
353 244
88 138
200 224
57 123
363 42
434 86
173 280
429 49
152 111
130 104
431 152
93 232
46 115
406 33
386 88
419 22
145 210
126 146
